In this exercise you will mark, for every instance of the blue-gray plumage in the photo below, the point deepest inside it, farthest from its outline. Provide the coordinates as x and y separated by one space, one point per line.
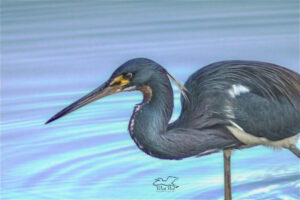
269 108
225 105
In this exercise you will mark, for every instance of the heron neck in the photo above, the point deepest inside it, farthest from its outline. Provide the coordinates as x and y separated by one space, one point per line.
149 129
150 118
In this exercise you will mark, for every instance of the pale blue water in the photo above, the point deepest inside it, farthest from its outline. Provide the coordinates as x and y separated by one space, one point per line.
55 52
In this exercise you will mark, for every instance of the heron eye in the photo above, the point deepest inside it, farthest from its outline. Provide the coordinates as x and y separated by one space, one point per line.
128 75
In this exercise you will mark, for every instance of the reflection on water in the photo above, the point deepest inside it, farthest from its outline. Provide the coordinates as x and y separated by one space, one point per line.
53 53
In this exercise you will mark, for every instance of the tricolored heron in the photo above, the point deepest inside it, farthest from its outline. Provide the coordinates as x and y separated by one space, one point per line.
225 106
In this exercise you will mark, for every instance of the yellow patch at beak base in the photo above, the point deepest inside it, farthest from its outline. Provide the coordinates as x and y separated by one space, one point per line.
119 81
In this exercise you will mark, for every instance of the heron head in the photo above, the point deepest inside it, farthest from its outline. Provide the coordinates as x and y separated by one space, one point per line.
135 74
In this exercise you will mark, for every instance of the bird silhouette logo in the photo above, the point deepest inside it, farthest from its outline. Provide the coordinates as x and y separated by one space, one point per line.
165 184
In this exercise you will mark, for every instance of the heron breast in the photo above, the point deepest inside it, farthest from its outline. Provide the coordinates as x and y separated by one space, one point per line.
250 139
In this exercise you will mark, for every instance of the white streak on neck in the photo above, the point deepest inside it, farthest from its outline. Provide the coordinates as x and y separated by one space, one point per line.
131 124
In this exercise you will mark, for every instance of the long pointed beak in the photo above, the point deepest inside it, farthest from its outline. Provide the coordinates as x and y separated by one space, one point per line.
100 92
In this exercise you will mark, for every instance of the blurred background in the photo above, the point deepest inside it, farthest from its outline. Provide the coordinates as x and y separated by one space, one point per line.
53 52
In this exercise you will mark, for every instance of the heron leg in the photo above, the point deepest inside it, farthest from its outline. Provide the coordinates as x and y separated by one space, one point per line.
227 174
295 150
